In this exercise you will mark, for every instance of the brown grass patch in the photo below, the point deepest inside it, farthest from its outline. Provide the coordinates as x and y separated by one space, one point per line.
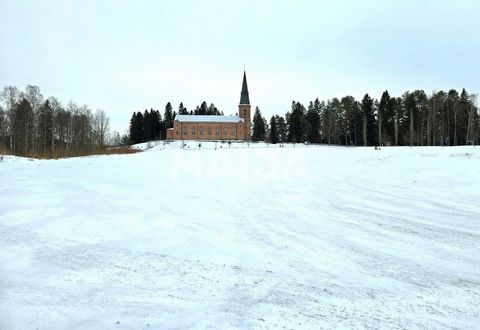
92 152
60 153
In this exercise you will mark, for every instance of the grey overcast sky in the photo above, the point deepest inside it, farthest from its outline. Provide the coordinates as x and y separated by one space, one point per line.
125 56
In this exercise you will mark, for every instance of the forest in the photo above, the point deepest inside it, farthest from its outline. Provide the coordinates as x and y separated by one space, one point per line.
34 126
414 119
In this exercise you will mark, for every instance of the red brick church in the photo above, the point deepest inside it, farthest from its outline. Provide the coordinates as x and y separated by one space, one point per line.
215 128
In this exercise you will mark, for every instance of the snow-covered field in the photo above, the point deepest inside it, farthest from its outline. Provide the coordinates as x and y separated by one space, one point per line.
309 237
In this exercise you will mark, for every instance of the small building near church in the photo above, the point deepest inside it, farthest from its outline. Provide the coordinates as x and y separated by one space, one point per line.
215 128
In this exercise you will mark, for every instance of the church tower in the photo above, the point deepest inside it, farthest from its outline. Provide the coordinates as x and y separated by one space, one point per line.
244 107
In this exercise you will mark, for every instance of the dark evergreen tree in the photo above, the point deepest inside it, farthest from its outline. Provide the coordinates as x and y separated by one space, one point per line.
329 120
147 126
281 128
202 110
45 128
136 128
463 117
383 111
22 124
295 123
452 121
258 131
212 110
273 130
348 121
156 124
182 110
313 122
369 133
168 116
416 105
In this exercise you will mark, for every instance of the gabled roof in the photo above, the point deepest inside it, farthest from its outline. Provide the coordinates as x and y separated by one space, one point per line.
244 99
208 119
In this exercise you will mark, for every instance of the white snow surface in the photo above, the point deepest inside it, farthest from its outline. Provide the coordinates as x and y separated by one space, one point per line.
251 236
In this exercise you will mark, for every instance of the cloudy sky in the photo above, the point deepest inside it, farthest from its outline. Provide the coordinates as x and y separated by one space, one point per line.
125 56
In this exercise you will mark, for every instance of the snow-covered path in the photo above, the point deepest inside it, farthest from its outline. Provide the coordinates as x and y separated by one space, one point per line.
308 237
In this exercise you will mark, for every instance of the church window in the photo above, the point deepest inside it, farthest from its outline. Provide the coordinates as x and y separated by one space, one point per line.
193 130
184 131
217 131
209 131
233 131
201 130
225 131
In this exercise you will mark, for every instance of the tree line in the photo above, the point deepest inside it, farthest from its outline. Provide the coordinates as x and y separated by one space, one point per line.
33 125
415 119
150 125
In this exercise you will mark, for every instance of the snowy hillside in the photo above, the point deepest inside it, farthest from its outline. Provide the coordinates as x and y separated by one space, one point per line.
251 236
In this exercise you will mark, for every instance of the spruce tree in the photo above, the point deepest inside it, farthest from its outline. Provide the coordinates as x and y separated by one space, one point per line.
182 110
281 128
136 128
258 131
212 110
203 108
295 123
168 116
273 130
313 120
147 126
156 124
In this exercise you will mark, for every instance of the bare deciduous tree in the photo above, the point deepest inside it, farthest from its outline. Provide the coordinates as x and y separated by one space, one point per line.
101 127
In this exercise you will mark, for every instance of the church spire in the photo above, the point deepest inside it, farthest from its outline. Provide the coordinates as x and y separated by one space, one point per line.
244 95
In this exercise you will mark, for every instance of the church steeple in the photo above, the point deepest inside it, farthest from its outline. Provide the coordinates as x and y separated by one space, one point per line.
244 109
244 99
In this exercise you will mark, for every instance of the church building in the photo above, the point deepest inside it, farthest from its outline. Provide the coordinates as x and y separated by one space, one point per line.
215 128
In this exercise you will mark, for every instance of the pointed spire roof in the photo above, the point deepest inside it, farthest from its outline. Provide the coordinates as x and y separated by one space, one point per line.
244 95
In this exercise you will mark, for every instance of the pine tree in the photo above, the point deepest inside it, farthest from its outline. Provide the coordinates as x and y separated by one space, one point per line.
329 120
348 120
463 117
383 110
258 131
416 103
368 121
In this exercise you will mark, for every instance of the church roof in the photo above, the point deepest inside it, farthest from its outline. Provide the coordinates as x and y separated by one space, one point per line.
244 99
208 119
